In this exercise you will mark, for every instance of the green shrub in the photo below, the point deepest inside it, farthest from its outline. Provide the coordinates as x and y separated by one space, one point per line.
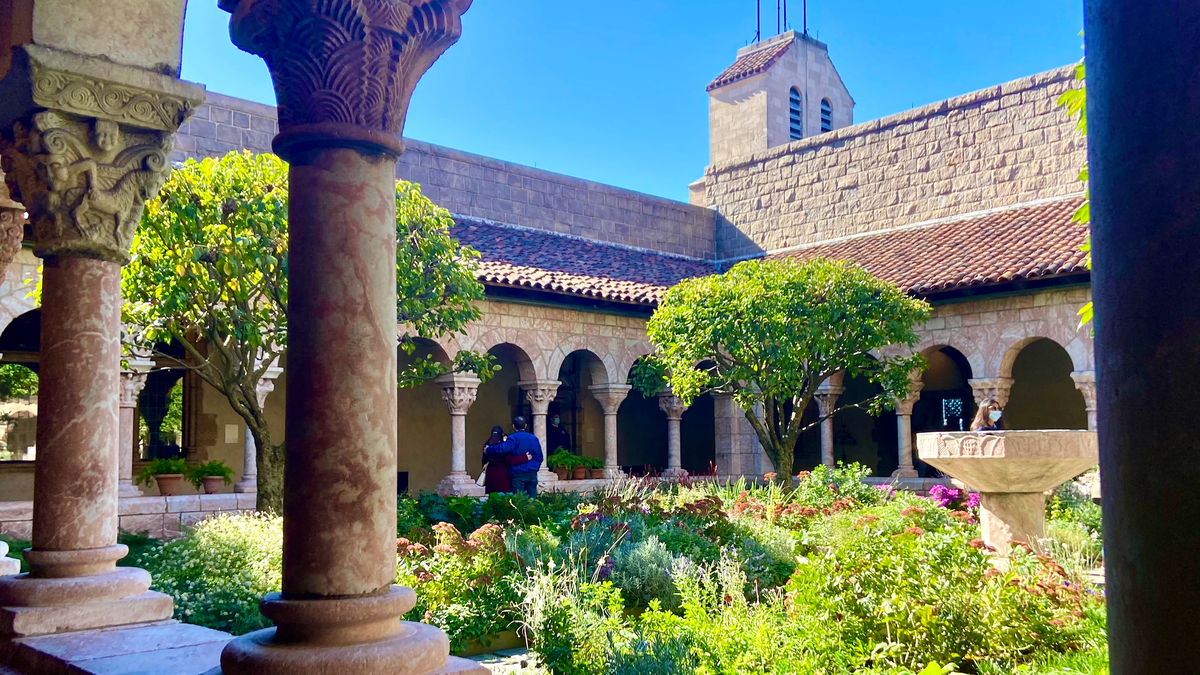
218 572
564 459
642 571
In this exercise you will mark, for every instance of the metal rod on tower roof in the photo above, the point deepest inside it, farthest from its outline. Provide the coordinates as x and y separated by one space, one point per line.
785 15
806 17
778 17
758 25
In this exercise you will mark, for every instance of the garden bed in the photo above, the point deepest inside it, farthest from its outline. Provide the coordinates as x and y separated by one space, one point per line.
833 576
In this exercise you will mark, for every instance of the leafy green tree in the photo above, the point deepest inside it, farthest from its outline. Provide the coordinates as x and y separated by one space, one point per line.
769 332
1075 103
17 381
209 272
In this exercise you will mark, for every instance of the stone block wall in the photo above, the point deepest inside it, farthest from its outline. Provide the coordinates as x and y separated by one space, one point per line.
996 147
481 187
159 517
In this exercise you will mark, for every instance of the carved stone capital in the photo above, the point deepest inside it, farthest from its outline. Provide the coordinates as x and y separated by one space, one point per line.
540 393
1085 382
12 227
826 398
133 381
610 396
672 405
344 70
997 388
905 406
458 392
85 181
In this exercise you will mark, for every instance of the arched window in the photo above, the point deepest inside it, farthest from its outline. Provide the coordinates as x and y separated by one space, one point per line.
797 117
826 115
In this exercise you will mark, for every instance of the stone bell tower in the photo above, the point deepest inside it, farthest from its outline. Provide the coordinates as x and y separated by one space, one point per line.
779 90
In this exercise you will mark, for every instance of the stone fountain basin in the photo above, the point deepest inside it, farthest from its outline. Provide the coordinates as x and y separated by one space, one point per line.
1010 461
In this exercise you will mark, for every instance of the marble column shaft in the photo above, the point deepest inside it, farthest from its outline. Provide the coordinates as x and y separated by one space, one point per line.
1143 66
904 436
826 397
610 397
249 482
1085 382
132 383
539 394
674 408
458 393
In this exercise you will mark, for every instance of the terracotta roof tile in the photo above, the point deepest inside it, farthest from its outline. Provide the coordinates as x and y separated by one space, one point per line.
541 260
751 64
1024 242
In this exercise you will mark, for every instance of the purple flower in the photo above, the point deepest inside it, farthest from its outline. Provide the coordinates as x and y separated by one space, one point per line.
973 501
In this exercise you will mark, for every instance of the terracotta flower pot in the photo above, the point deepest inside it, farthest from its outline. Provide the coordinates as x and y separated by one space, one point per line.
596 474
579 473
168 483
212 484
561 471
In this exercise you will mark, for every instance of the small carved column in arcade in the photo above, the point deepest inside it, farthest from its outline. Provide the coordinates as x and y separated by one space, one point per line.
87 145
1085 382
249 482
12 227
610 397
540 393
995 387
132 383
343 72
459 392
826 397
904 409
674 407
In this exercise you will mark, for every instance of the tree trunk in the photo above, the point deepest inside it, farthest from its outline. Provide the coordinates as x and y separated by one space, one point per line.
780 459
270 472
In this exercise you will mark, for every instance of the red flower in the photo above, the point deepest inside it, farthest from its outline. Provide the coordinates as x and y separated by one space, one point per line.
913 510
865 520
977 544
915 531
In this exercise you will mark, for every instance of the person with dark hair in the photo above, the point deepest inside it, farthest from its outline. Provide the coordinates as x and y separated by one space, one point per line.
496 478
521 443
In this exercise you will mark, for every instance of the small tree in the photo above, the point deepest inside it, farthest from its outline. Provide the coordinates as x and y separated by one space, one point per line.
770 332
1075 102
209 272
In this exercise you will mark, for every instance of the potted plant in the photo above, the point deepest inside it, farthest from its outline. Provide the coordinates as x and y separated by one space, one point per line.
166 472
211 475
580 470
561 463
595 467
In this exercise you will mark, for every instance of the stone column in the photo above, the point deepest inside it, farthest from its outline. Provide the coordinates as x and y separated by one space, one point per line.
674 407
904 411
1085 382
249 482
738 450
459 392
826 397
343 72
610 397
88 149
132 382
540 393
1143 107
994 387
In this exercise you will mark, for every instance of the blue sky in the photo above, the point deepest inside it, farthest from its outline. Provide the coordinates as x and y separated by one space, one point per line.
614 92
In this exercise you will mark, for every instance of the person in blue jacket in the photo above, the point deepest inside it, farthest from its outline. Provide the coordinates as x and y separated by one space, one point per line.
521 442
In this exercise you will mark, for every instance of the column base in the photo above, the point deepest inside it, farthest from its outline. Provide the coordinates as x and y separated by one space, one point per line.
128 491
459 485
673 473
358 636
9 566
246 486
613 473
149 607
547 476
905 472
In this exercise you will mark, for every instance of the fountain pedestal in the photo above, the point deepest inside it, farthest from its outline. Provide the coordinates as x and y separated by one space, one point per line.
1011 470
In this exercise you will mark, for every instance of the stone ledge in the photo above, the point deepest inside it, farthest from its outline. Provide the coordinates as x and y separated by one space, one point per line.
168 648
33 621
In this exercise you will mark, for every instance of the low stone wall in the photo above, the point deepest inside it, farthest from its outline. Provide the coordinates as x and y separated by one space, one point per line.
159 517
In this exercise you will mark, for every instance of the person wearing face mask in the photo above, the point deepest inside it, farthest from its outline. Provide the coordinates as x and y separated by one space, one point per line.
556 436
988 417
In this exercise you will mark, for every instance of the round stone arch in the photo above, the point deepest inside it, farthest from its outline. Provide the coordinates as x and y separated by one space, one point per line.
629 357
1043 395
1078 349
604 367
530 360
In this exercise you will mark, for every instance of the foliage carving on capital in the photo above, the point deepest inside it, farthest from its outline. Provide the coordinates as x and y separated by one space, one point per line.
997 388
540 394
826 398
345 70
672 405
905 406
610 396
12 227
82 95
459 399
132 383
84 180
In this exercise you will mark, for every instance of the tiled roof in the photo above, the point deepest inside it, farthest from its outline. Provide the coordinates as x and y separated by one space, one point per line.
1022 242
751 64
542 260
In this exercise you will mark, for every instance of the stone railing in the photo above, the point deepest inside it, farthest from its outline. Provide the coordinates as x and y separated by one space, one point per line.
158 517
